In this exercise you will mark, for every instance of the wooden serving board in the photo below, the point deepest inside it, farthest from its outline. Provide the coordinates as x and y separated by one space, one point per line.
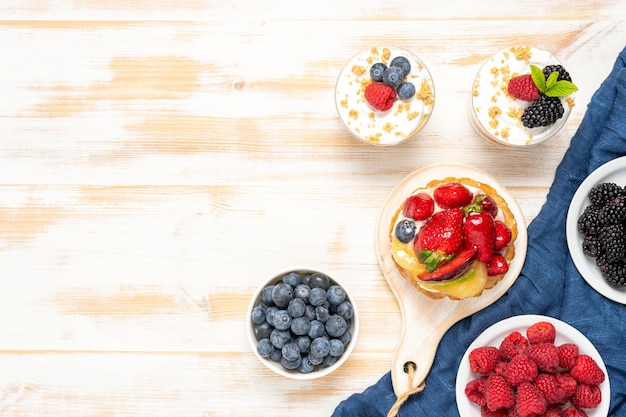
425 320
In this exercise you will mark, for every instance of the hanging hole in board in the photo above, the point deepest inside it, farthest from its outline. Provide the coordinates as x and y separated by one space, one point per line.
411 365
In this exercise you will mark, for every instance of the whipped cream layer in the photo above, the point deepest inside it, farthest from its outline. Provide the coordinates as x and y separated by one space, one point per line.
404 119
494 113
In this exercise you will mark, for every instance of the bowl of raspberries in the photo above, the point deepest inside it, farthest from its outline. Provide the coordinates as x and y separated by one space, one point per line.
530 366
302 323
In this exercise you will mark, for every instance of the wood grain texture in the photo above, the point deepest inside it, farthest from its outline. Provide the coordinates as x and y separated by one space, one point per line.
158 161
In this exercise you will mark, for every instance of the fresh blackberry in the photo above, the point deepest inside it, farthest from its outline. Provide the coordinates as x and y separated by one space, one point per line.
563 74
614 273
591 246
589 222
543 112
612 242
603 192
614 211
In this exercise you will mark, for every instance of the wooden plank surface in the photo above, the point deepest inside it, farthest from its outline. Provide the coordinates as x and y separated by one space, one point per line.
158 161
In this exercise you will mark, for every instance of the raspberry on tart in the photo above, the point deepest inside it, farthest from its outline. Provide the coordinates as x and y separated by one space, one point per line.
452 252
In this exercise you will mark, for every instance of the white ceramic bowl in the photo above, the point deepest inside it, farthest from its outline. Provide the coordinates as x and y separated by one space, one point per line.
494 335
276 366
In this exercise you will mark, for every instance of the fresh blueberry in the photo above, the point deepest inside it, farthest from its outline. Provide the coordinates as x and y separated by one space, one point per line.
403 63
269 315
393 76
345 310
261 331
320 346
280 337
306 367
266 295
296 307
319 280
302 291
377 70
306 278
336 347
287 364
329 360
265 347
304 343
336 326
282 320
317 297
291 351
346 338
309 312
322 313
281 294
317 329
276 355
406 90
314 359
336 295
292 279
258 315
405 230
300 326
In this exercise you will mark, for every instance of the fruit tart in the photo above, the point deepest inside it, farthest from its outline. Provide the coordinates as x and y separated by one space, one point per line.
453 238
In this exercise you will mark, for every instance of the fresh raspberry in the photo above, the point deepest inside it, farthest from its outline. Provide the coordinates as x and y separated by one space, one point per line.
545 355
552 392
586 370
567 382
530 401
380 96
567 355
512 345
475 390
552 411
523 87
587 396
521 369
498 393
573 412
500 368
484 359
541 332
486 412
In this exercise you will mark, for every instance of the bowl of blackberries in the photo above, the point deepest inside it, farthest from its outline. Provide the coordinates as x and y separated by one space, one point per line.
302 323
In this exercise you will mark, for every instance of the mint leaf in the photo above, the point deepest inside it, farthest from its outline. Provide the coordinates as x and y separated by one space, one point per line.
538 78
551 80
561 89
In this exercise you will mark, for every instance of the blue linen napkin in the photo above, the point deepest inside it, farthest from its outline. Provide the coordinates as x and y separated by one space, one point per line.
549 283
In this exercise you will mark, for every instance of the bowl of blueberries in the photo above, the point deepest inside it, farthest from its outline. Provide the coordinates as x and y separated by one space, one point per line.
302 323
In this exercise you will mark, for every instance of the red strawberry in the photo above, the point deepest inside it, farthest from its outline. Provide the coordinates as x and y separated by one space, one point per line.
452 195
567 355
482 202
484 359
475 390
587 396
497 265
498 393
523 87
419 206
521 369
479 231
541 332
545 355
586 370
503 235
443 232
552 392
512 345
530 401
380 96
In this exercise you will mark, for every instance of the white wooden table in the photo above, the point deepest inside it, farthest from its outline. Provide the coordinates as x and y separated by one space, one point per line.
158 161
